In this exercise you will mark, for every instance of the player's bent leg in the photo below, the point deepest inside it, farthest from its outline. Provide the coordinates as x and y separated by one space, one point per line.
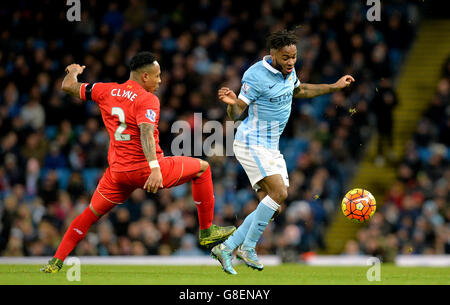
276 192
78 229
238 236
178 170
74 234
203 194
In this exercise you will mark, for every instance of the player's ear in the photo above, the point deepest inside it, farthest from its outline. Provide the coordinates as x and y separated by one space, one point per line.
144 77
273 55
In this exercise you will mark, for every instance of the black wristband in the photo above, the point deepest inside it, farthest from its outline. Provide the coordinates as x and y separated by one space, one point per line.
88 92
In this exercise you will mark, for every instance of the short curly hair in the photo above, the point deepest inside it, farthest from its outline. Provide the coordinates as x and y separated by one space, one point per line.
280 39
141 59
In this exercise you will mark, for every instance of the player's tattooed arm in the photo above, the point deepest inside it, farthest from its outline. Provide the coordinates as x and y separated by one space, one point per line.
70 83
235 106
148 141
313 90
155 180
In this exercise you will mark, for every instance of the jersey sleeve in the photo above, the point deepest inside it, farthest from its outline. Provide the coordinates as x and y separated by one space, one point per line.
296 80
147 110
92 91
250 88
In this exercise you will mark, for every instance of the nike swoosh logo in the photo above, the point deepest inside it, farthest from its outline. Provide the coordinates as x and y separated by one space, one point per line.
270 87
198 202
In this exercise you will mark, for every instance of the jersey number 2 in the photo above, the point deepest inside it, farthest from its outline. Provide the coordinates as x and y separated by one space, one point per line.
118 135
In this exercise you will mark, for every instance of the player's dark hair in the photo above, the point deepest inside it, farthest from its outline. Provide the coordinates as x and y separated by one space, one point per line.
141 59
280 39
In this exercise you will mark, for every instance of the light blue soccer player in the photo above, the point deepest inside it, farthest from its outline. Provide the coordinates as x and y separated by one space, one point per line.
267 90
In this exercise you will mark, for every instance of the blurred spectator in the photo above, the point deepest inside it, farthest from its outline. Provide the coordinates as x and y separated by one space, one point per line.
32 177
54 158
33 114
351 248
188 246
384 103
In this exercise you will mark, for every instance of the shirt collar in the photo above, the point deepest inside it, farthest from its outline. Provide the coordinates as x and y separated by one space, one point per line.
267 61
134 83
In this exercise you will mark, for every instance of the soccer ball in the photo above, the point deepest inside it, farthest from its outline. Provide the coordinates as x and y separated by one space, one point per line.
359 205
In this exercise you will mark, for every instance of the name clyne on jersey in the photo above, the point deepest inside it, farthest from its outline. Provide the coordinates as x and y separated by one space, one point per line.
124 93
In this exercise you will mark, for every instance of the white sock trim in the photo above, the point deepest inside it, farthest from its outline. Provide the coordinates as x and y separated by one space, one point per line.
270 203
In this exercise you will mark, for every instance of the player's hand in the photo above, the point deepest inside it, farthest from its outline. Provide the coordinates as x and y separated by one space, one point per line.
154 181
76 68
227 96
344 82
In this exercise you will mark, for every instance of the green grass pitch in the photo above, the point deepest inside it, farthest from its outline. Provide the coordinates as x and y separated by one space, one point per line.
285 274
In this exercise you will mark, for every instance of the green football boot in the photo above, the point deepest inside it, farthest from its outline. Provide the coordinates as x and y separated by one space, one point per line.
53 266
249 257
215 234
224 256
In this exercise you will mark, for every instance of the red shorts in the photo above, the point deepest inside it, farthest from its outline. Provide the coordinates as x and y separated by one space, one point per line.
116 187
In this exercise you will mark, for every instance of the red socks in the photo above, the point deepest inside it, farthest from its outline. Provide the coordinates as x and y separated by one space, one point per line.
202 192
75 233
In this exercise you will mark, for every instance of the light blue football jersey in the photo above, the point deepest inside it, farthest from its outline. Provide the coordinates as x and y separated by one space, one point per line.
269 98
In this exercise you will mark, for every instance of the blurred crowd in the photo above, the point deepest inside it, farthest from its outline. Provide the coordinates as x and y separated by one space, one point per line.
53 147
415 215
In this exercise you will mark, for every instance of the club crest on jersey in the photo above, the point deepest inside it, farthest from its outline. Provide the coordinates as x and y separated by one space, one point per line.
151 115
245 88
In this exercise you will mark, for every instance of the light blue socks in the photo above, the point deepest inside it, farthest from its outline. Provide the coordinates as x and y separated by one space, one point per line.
263 213
239 235
250 231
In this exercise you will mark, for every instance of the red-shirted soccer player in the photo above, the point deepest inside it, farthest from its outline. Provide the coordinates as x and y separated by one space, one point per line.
130 112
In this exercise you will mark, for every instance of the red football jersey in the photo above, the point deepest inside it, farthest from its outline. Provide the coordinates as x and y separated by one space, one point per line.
124 107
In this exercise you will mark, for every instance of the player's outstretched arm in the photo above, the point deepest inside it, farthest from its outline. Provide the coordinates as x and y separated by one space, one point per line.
70 83
235 105
155 180
313 90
